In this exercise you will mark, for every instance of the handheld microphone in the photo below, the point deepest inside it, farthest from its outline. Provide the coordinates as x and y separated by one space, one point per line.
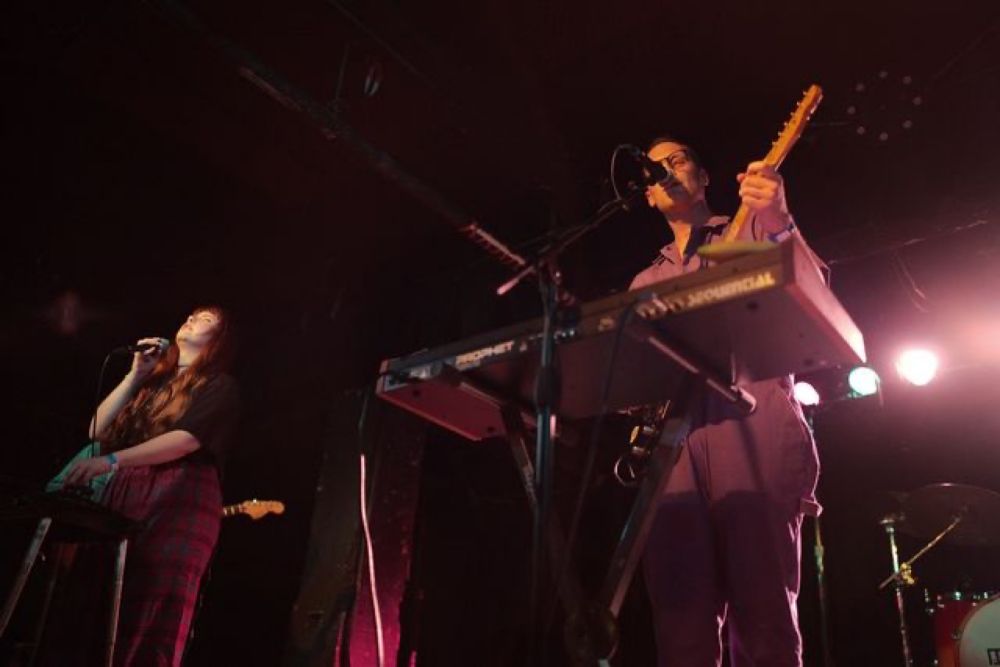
654 173
161 344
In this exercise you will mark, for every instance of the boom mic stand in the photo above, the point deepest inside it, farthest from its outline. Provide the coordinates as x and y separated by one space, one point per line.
554 297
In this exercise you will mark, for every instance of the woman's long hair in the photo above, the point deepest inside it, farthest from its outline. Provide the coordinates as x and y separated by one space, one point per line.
165 394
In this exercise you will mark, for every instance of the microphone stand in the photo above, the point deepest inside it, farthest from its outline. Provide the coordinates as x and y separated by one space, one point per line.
554 297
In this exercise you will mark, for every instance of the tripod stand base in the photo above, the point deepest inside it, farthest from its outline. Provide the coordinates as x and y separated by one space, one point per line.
591 635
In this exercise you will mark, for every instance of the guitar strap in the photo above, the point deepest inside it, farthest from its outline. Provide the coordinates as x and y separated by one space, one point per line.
700 236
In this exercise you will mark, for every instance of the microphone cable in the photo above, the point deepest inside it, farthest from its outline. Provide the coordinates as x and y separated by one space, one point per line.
92 426
369 550
93 444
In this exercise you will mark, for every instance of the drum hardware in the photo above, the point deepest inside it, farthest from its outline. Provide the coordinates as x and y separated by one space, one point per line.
952 613
904 571
965 515
901 577
977 642
933 604
931 508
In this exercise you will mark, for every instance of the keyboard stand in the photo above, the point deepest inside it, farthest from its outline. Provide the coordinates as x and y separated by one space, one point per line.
591 633
72 519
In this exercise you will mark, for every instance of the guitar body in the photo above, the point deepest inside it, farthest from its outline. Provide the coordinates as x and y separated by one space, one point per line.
721 252
255 509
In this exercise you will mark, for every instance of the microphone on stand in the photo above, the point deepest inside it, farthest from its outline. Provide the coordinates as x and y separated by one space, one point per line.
161 344
654 173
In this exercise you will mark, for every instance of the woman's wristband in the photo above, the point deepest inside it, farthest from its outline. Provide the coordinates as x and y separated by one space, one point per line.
113 460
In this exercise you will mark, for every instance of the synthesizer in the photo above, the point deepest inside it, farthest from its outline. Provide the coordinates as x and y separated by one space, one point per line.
767 314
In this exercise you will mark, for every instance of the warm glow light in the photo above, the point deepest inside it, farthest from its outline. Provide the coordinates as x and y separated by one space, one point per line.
863 381
806 394
917 366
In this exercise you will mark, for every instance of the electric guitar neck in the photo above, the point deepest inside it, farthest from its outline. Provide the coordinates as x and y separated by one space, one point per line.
780 149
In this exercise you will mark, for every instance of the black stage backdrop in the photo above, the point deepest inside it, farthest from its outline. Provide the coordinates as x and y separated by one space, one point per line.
145 173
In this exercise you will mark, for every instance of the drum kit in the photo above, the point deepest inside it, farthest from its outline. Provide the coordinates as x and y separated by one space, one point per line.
966 624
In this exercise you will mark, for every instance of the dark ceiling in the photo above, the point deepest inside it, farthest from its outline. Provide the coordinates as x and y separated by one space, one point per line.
301 156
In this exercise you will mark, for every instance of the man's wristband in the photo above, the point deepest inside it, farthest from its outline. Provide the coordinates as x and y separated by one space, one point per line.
778 237
113 460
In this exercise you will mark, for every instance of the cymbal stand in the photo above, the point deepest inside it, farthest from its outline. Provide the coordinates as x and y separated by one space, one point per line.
900 577
906 569
902 574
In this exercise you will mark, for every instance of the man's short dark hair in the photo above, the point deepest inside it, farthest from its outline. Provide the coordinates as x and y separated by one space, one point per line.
666 138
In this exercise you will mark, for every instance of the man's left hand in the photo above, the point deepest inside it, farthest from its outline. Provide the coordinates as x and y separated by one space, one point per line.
763 191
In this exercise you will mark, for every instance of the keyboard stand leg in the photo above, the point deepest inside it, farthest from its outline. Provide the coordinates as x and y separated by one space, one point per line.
632 541
116 600
22 576
516 438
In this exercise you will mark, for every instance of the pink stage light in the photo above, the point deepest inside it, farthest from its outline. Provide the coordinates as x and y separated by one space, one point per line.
917 366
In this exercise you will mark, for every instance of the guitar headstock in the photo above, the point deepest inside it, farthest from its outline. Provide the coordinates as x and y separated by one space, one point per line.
257 509
793 128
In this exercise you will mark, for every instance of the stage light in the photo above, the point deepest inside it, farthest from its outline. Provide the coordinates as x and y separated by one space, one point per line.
917 366
805 393
863 381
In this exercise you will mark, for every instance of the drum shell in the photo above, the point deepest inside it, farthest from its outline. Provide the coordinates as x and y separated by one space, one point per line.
978 639
950 611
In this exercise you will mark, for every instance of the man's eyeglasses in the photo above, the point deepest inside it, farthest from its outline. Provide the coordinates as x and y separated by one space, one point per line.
676 160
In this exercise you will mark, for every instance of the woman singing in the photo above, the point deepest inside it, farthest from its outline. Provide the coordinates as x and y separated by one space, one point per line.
163 433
